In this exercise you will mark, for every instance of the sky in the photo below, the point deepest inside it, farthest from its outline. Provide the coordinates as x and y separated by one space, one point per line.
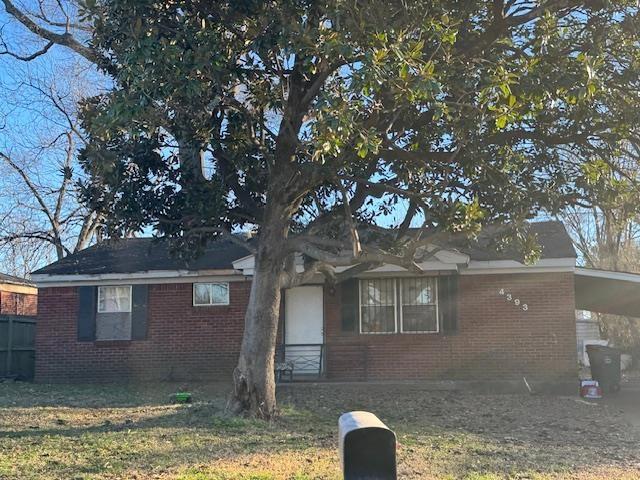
33 133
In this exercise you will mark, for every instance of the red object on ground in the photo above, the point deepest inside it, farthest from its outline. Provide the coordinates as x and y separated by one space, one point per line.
590 389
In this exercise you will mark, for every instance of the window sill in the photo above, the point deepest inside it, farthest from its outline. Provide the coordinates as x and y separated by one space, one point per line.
212 305
419 333
112 343
378 333
399 333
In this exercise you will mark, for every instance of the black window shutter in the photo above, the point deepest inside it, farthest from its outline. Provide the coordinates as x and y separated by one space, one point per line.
448 303
139 307
349 305
87 314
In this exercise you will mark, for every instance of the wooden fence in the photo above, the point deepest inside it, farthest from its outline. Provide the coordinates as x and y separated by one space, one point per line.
17 346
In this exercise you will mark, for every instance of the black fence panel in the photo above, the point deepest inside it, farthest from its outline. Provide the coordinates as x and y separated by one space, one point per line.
17 346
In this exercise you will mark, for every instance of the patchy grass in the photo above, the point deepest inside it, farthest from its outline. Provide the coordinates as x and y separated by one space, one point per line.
126 432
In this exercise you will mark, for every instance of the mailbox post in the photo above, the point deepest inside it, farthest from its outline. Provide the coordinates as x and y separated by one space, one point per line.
367 447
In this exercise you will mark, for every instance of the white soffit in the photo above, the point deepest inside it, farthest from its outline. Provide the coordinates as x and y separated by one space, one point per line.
244 268
135 278
477 267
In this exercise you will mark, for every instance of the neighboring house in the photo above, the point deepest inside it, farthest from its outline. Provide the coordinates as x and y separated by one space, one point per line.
18 308
17 296
129 310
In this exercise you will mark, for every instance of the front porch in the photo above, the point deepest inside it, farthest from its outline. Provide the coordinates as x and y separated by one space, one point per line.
312 362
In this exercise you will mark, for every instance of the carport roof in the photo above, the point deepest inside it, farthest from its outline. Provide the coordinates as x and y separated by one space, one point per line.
604 291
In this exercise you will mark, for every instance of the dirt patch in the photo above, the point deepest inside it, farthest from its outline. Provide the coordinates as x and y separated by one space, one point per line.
627 402
503 434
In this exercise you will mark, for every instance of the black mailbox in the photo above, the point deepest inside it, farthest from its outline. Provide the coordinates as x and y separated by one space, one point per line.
367 447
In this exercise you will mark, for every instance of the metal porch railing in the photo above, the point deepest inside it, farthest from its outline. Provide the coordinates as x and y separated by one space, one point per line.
302 358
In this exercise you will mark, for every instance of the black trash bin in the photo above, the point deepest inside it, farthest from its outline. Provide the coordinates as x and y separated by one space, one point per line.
367 447
605 366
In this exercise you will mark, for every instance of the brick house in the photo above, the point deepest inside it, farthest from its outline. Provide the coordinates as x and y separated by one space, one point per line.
17 296
131 311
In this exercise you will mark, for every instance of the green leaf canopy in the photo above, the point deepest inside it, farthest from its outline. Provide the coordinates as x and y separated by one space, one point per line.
335 114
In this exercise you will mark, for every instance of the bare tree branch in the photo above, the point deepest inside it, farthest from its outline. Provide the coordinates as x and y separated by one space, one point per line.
64 39
26 58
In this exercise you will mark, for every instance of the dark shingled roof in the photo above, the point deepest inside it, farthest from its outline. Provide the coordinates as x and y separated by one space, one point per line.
141 255
4 278
551 236
148 254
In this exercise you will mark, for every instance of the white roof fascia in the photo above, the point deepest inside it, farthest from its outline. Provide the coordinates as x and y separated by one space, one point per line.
155 276
241 274
611 275
512 266
244 262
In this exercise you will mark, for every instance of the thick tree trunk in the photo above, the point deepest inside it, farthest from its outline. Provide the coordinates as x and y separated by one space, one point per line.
253 379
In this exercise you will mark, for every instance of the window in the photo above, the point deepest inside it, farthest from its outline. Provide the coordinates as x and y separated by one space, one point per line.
210 294
405 305
377 306
114 299
113 319
418 305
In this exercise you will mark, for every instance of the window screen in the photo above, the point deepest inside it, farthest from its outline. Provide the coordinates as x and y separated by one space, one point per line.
377 306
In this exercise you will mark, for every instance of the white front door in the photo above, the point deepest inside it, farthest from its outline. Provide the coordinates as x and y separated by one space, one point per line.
303 329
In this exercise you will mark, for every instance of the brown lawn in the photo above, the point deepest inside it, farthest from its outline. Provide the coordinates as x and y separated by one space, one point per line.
127 432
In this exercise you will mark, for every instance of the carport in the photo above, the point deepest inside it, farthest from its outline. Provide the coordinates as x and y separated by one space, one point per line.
603 291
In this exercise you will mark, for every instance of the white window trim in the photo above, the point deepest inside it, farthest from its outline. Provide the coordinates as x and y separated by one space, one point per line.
100 288
193 293
437 304
397 298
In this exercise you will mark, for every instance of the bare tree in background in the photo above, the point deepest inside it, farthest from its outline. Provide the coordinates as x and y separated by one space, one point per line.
47 70
46 25
604 240
608 238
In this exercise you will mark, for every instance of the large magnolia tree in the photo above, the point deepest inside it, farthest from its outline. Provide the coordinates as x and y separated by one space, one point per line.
317 118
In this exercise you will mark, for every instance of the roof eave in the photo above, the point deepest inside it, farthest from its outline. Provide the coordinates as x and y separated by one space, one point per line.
153 276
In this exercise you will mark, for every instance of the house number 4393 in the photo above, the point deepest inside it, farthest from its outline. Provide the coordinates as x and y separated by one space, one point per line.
516 301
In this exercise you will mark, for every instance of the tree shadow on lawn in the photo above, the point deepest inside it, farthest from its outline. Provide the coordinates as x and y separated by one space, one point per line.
169 441
24 394
439 433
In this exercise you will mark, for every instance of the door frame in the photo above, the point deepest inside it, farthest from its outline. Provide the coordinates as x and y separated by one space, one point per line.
323 324
284 312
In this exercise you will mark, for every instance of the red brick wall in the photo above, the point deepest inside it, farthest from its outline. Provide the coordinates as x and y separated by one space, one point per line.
183 341
13 303
495 339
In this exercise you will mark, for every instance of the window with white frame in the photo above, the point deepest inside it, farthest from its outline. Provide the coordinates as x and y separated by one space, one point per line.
418 305
210 294
405 305
115 299
378 306
113 318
